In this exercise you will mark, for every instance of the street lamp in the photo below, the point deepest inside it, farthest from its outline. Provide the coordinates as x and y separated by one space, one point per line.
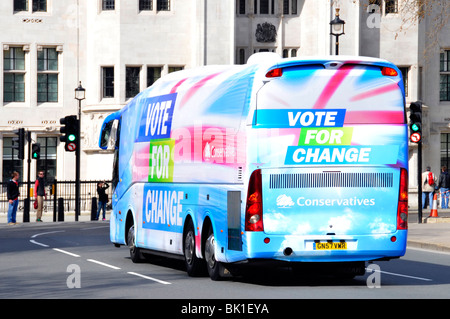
80 94
337 29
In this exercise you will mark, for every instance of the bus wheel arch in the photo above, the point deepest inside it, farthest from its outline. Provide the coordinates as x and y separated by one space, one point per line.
194 264
130 238
215 268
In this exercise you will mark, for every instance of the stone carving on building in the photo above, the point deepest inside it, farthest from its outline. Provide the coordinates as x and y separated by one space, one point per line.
266 32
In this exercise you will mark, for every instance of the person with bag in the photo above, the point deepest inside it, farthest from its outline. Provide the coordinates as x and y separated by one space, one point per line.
39 194
13 194
444 186
428 186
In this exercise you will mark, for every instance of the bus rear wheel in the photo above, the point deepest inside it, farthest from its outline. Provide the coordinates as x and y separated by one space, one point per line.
212 265
194 265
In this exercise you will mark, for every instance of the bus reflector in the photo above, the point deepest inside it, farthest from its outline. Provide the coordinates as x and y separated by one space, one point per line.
253 212
275 73
402 210
389 71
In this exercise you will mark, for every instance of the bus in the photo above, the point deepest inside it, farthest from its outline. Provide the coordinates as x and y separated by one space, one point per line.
298 161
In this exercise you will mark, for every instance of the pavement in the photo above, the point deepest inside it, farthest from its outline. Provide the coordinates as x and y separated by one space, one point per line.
432 234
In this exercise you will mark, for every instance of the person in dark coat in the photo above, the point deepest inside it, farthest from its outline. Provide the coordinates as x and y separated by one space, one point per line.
13 197
40 194
102 198
444 186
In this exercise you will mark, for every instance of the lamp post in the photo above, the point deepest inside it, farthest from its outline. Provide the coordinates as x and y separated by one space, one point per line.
337 29
80 94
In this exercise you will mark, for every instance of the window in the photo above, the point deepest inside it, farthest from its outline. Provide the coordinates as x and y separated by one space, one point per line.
47 79
20 5
36 5
444 76
240 6
14 59
391 6
47 161
175 68
39 5
145 5
405 71
14 75
108 4
47 59
241 56
153 74
445 149
265 6
108 82
11 162
163 5
132 81
289 6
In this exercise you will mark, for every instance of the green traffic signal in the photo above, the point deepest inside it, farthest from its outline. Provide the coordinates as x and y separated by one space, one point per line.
71 137
415 127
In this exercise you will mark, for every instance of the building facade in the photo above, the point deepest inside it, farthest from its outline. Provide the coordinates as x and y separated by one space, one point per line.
117 48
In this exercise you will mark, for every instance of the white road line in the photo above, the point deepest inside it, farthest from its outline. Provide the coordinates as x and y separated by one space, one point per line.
400 275
37 243
103 264
66 252
149 278
50 232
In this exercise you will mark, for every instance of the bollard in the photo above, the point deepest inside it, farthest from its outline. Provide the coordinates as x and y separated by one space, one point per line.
94 208
60 209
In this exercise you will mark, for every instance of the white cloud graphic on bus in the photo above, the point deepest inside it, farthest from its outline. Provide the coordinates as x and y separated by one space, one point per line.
284 201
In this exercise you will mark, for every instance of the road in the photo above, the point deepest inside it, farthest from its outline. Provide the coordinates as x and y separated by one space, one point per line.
76 260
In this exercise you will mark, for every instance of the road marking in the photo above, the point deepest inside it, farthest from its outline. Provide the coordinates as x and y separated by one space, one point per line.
102 263
400 275
66 252
37 243
149 278
50 232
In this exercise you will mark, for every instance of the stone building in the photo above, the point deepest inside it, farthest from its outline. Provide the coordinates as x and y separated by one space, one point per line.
117 48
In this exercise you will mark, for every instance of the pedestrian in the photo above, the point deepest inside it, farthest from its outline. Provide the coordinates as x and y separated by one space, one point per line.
102 198
40 194
428 186
13 197
444 185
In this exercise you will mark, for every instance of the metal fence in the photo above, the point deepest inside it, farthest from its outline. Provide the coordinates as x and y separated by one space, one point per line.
56 190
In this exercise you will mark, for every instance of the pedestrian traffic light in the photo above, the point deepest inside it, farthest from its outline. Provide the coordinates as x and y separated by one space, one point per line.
70 133
415 123
18 142
36 151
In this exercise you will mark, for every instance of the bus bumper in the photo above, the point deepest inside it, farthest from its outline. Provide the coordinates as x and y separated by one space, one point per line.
294 248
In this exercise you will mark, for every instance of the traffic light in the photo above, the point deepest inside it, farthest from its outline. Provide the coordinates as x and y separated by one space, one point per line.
36 151
18 143
70 132
415 123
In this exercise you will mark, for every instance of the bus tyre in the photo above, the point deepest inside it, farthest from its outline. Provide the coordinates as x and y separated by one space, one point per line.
135 252
194 265
212 265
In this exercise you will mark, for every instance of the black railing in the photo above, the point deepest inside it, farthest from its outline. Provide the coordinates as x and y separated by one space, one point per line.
55 191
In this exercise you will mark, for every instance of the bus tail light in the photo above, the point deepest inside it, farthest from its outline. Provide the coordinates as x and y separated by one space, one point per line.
253 211
402 210
389 71
275 73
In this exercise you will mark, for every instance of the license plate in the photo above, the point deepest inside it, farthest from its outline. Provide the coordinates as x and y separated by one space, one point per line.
330 246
